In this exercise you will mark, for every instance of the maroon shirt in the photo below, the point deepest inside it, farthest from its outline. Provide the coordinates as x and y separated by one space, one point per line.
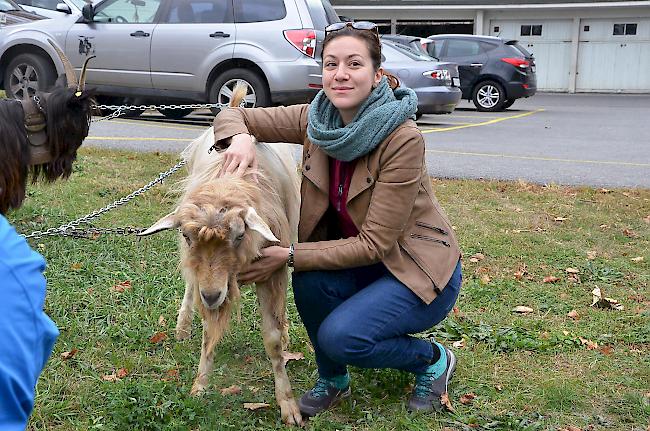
340 178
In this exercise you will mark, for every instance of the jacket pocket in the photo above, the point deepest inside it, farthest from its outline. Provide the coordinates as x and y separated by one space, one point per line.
432 227
419 264
430 239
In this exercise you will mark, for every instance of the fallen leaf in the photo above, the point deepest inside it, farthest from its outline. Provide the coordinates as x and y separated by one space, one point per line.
630 233
591 255
255 406
121 287
456 311
570 428
600 301
550 279
248 359
75 266
122 373
604 226
477 258
591 345
67 355
444 400
467 398
544 335
498 387
485 279
604 191
572 271
170 375
158 337
606 350
231 390
637 259
573 314
645 219
560 219
110 377
289 356
459 344
41 246
522 309
162 321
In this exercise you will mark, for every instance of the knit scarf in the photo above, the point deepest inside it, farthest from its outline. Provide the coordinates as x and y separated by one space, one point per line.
378 116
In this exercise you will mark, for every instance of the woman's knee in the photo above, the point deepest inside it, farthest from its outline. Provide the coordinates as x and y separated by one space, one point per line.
340 342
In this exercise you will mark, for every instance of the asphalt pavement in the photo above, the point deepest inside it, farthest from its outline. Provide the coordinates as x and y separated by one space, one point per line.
584 139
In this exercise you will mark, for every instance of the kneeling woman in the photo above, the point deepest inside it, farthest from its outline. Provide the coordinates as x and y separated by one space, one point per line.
376 258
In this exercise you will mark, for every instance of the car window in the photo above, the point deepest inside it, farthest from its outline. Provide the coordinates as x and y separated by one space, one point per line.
200 11
410 52
322 13
462 48
130 11
519 49
45 4
6 6
259 10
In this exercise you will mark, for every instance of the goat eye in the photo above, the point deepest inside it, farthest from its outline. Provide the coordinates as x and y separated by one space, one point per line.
187 239
239 238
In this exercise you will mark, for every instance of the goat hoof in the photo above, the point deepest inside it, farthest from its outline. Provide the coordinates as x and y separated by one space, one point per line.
183 334
198 389
291 413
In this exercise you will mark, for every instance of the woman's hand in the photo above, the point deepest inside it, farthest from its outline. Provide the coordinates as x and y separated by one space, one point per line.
239 156
272 258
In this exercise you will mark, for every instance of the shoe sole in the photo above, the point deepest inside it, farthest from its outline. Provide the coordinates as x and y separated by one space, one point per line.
311 412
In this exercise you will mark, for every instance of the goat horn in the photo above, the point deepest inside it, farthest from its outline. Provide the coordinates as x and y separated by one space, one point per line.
69 70
82 76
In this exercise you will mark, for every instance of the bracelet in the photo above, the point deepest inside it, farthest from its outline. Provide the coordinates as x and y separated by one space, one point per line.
290 260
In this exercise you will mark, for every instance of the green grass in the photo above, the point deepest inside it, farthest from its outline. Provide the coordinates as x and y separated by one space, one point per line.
529 372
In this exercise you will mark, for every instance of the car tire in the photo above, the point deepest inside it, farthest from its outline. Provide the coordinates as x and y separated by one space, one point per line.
508 103
176 113
221 89
488 96
31 72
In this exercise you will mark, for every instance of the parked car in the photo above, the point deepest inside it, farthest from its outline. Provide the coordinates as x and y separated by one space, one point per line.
51 8
436 83
416 43
177 51
494 72
11 13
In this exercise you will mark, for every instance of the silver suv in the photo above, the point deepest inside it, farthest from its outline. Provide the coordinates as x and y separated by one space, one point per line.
176 50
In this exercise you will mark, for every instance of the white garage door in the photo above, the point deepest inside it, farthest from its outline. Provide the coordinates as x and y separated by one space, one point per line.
614 55
549 41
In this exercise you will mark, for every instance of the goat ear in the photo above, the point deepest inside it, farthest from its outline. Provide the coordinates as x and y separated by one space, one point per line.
167 222
255 222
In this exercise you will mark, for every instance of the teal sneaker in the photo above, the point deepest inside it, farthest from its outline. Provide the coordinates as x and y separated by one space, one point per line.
433 383
324 395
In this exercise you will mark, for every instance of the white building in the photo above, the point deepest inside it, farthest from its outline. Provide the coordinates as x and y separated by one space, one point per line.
579 46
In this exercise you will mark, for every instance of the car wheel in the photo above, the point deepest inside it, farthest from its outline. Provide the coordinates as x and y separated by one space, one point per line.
26 74
488 96
257 92
508 103
176 113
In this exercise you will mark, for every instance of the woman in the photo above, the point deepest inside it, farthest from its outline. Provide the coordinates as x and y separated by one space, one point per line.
376 257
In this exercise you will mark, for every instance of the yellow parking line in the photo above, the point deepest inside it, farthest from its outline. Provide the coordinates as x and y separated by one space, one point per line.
484 123
545 159
129 138
162 126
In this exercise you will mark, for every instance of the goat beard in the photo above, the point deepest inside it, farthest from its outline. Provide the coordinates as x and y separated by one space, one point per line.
68 122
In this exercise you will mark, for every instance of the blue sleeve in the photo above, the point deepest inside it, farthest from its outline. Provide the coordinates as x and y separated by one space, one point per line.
27 334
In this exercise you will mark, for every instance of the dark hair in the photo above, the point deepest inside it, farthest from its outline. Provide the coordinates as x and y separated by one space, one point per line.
374 48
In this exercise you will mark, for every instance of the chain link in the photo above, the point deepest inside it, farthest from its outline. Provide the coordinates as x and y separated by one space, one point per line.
72 228
122 109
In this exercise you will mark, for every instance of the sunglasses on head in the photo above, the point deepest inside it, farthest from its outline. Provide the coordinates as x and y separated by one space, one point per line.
357 25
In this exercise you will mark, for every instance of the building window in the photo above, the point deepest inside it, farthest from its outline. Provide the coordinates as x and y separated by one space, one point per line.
624 29
531 30
586 28
496 29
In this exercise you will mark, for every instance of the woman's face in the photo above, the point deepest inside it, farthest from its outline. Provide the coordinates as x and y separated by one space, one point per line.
348 74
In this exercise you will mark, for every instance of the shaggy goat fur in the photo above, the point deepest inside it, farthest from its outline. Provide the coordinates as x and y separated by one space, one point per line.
224 222
68 120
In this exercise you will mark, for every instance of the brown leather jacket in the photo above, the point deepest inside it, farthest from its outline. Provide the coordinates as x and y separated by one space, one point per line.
390 200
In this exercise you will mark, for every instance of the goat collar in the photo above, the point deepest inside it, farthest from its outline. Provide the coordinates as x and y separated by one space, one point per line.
35 125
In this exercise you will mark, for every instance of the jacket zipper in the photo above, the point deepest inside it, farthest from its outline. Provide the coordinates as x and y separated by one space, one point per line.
341 182
419 265
428 226
340 198
428 238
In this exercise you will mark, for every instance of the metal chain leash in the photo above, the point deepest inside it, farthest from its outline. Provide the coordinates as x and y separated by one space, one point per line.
72 228
122 109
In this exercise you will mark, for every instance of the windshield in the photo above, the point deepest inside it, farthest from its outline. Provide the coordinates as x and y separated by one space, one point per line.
79 3
6 5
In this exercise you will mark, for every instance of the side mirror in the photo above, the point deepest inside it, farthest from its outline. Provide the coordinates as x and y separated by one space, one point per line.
62 7
88 12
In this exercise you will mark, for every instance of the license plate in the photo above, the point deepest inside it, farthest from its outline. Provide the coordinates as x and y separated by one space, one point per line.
455 81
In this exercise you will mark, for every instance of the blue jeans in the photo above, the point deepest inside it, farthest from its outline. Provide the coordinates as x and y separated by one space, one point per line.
362 317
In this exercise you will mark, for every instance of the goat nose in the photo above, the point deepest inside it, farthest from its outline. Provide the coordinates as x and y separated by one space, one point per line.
211 298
